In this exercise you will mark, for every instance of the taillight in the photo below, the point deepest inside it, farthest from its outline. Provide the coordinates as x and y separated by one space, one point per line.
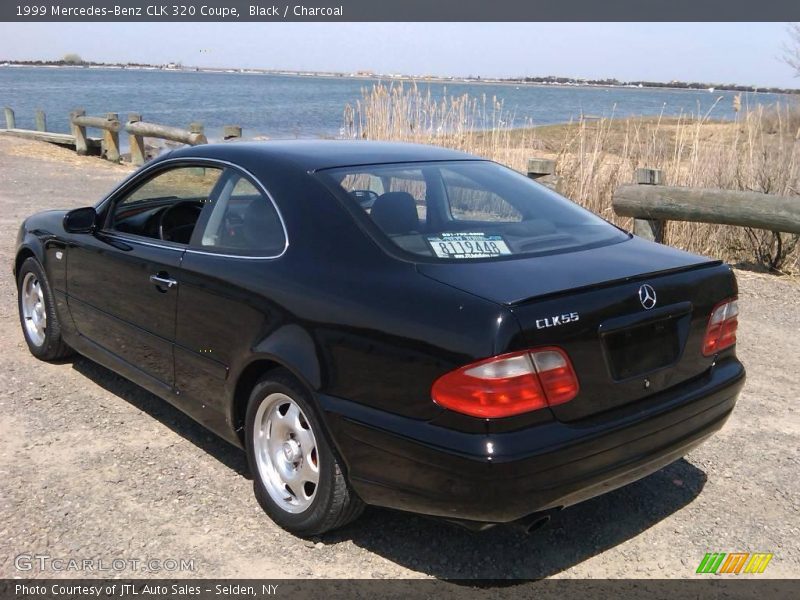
508 384
721 330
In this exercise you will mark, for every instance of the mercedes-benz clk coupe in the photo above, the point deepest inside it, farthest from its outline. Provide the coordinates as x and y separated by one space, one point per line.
390 324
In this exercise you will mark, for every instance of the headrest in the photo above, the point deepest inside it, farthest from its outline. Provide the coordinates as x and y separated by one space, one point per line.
395 213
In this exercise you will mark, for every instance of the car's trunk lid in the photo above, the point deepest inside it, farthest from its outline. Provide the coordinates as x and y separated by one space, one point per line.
516 280
591 304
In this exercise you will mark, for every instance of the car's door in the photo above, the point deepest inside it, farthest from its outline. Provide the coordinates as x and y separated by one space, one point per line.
122 280
227 277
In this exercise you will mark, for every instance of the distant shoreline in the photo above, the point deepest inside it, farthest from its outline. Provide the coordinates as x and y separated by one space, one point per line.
565 82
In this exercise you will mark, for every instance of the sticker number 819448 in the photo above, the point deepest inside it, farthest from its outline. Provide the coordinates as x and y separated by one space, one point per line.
468 245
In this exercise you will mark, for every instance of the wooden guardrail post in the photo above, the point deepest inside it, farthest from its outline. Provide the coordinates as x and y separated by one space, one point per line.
231 132
135 141
541 167
111 139
649 229
110 126
197 129
41 120
543 170
79 132
11 122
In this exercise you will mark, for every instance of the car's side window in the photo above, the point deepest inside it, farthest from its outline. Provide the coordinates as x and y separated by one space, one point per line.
166 206
243 221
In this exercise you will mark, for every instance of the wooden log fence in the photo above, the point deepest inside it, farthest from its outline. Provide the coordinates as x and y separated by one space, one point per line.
651 203
723 207
111 126
40 133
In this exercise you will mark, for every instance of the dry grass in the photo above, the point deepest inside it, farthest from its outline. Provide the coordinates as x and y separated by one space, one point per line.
17 146
757 152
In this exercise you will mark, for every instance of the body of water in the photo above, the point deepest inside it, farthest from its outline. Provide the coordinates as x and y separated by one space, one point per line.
280 106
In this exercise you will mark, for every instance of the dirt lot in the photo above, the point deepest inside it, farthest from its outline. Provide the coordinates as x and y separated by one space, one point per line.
94 467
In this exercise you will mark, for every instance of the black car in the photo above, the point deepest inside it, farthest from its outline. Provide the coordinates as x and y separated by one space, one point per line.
390 324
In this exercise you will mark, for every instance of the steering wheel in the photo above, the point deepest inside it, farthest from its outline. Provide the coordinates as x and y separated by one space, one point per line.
177 221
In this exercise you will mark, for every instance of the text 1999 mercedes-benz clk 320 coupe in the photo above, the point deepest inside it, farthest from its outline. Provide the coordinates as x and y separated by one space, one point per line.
390 324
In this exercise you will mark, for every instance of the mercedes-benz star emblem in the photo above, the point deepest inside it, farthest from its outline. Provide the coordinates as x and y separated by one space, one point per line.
647 296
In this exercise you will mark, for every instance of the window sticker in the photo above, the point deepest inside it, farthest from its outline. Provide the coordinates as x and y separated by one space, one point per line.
468 245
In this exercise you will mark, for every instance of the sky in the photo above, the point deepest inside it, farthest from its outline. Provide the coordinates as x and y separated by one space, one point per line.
743 53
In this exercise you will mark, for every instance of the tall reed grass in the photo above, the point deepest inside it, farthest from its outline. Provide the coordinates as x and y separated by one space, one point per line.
757 152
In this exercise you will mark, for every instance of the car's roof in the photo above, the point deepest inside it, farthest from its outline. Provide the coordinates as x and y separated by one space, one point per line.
313 155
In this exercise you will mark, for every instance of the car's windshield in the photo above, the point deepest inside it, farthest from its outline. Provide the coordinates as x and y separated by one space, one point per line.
466 210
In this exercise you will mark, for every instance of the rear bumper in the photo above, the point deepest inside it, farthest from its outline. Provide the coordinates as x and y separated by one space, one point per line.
410 465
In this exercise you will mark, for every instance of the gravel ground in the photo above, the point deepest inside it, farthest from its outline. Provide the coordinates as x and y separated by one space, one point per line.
94 467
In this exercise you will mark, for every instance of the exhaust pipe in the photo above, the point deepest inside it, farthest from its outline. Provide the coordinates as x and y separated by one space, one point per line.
528 525
532 522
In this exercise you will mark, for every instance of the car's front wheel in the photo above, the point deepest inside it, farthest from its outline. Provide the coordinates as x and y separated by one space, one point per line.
296 476
37 313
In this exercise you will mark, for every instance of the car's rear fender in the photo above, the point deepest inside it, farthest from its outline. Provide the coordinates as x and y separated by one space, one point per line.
290 347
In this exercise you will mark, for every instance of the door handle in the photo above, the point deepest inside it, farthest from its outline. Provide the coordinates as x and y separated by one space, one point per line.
163 281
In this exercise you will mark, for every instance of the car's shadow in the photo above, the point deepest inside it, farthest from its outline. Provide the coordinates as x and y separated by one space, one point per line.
446 551
573 535
164 412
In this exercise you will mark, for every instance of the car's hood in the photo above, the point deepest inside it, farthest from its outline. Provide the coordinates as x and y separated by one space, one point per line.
515 280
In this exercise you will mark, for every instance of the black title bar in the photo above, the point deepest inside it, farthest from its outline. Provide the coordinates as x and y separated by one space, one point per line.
735 588
397 10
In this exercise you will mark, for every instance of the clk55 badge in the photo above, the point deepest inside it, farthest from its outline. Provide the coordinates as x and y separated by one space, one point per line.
556 320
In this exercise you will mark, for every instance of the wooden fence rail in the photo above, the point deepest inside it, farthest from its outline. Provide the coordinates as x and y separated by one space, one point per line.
652 204
724 207
138 130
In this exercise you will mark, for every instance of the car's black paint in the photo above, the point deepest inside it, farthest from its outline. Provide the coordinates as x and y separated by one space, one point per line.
368 333
113 302
542 276
80 220
503 477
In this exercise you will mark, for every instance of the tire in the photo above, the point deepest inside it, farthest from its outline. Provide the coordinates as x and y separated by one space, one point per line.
44 336
284 469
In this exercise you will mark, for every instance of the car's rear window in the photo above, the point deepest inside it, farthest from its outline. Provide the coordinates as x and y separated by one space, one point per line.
466 210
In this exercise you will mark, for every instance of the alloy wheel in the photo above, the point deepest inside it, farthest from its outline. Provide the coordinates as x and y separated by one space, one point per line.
34 312
286 453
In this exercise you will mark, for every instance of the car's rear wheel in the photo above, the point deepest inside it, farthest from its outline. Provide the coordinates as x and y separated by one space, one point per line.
37 313
296 476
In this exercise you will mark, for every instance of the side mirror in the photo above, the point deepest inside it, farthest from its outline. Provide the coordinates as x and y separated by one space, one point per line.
80 220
